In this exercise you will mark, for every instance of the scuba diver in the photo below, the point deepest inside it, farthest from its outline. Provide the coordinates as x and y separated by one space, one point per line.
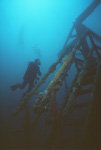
30 76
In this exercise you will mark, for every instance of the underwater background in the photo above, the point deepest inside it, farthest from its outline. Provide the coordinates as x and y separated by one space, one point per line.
31 29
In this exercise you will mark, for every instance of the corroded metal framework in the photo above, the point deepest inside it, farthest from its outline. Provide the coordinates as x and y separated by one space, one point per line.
88 73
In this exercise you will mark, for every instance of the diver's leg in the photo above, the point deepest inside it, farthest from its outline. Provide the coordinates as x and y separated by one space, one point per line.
30 85
14 87
21 86
29 88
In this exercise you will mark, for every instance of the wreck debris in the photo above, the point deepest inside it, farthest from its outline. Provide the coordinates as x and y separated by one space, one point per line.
88 73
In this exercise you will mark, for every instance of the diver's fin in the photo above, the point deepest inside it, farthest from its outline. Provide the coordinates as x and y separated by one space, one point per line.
14 87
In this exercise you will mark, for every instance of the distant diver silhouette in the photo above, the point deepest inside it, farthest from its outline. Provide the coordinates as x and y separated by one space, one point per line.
36 51
30 76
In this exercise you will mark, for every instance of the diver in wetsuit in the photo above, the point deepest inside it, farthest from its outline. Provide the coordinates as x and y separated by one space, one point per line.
30 76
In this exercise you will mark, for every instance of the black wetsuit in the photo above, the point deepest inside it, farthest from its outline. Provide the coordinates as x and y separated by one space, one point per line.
30 75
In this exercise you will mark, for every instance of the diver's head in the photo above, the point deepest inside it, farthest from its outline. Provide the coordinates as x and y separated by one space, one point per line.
37 61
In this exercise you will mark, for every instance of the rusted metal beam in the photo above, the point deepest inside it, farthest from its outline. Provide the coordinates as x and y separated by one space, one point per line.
88 11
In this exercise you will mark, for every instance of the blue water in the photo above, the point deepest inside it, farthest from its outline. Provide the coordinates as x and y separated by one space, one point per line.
24 24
